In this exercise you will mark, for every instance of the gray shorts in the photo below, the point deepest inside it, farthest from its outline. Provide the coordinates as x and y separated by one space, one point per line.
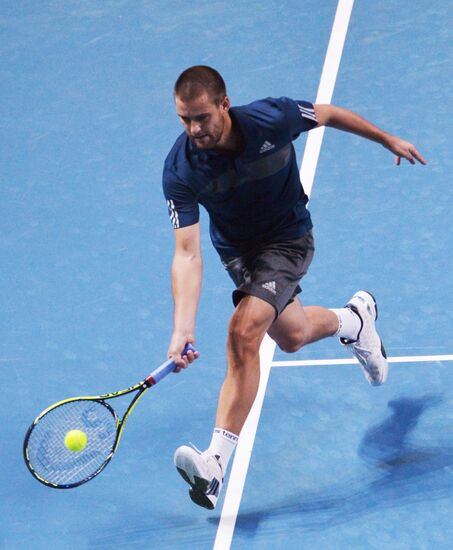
272 272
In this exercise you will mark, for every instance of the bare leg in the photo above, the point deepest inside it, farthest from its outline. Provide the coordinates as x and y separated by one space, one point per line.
253 317
298 326
248 325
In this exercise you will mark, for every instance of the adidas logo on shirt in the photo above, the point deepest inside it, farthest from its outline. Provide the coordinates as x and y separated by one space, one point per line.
270 286
267 146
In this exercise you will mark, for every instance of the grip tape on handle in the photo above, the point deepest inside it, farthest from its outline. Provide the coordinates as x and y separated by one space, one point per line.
167 367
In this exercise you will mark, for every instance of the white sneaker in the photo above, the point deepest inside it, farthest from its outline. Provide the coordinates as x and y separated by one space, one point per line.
203 472
368 347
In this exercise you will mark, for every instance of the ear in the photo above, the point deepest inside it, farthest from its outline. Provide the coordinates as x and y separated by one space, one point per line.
226 104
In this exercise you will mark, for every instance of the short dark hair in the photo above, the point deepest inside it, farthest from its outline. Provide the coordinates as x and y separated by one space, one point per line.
200 79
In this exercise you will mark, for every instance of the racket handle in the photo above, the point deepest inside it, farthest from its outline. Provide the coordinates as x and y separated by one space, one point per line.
166 368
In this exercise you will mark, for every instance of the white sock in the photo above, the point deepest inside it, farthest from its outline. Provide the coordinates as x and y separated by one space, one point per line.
223 444
349 323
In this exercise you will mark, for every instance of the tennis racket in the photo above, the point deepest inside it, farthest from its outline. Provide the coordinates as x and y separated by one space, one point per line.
45 452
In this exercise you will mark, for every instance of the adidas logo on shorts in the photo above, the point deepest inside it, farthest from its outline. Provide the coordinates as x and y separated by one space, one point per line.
270 286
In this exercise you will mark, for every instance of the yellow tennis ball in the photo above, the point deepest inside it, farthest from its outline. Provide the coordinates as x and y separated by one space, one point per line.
75 440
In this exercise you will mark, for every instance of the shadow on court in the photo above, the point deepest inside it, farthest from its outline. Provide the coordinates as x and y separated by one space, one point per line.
401 472
142 530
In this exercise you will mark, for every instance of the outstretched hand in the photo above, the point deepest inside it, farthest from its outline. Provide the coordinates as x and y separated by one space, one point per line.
404 149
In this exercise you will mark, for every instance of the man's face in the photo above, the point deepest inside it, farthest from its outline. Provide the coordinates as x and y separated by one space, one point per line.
203 119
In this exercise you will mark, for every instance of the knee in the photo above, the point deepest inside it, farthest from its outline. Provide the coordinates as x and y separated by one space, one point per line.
244 336
290 346
293 342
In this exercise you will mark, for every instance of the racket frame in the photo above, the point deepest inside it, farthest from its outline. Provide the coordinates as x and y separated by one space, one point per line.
141 387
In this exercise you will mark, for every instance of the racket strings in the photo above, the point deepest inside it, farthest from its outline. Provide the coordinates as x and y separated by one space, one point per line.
47 452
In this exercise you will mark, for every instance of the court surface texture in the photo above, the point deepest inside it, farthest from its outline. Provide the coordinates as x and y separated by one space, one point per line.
327 461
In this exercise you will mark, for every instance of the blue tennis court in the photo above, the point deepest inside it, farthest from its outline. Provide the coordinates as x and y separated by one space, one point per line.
86 246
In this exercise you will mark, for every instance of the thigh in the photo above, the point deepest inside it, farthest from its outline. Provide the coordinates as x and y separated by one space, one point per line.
291 321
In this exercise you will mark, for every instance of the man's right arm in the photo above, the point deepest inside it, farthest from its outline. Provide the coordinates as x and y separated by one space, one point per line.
186 277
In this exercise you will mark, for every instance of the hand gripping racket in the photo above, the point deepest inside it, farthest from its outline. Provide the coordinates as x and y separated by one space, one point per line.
45 453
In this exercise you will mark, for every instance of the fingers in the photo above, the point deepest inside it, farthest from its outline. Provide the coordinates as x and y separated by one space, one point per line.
406 150
411 156
409 152
191 356
183 361
417 155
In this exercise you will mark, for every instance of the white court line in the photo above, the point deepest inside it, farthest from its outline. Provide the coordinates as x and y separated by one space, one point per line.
244 449
243 453
325 90
403 359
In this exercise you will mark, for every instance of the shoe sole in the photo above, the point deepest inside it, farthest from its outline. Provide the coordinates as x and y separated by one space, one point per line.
198 490
376 309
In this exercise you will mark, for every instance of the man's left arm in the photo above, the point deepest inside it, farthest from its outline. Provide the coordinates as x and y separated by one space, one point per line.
348 121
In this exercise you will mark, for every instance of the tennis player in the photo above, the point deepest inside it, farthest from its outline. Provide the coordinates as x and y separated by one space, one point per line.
240 164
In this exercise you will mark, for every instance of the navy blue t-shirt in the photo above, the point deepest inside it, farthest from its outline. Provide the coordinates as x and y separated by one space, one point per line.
255 197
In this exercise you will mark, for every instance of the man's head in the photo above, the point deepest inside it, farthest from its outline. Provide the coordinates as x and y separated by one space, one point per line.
202 106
